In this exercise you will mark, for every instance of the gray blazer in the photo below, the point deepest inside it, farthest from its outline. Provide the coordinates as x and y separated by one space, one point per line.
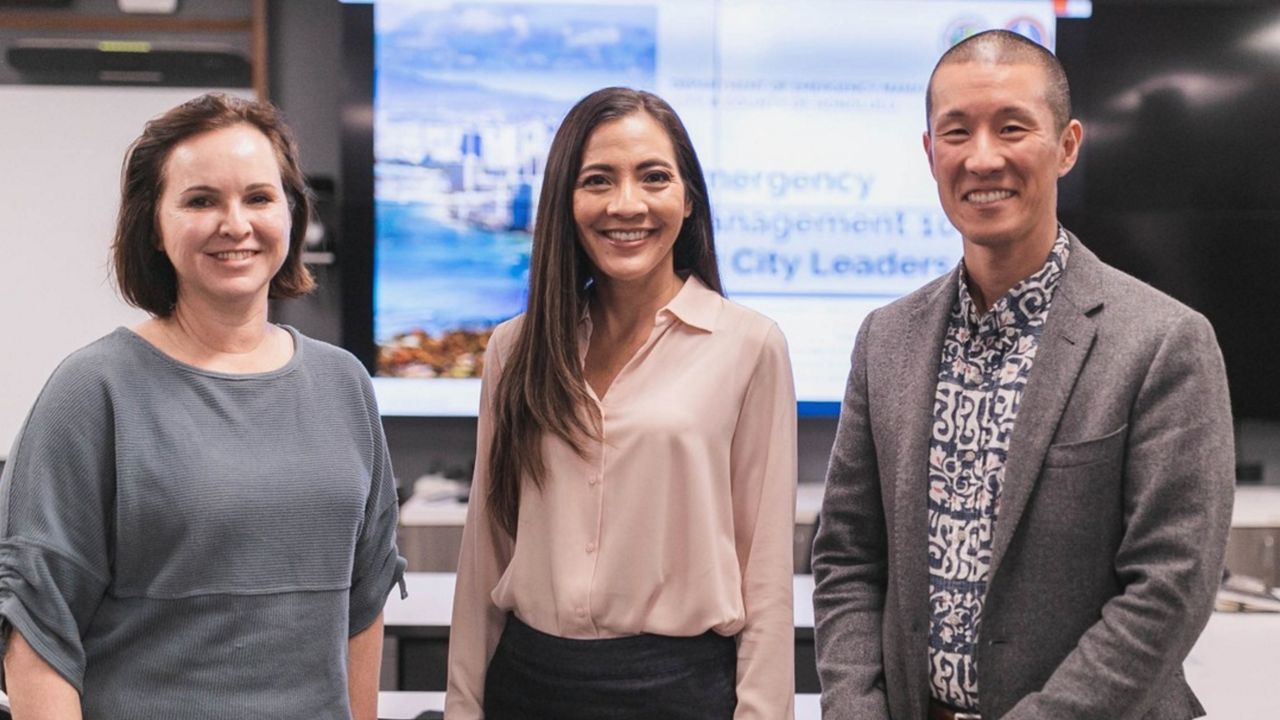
1112 522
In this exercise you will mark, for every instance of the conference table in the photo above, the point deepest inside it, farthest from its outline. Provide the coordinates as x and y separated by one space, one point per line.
1231 668
408 704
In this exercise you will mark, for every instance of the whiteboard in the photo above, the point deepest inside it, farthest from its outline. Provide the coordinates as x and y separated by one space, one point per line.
61 148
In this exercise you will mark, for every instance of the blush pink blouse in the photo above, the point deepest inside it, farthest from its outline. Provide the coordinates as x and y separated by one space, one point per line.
678 521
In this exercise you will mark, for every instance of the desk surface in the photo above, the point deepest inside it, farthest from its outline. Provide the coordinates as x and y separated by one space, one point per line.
1232 667
394 705
429 606
1256 506
418 511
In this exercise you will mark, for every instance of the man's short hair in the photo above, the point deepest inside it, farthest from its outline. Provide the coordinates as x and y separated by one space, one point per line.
1003 47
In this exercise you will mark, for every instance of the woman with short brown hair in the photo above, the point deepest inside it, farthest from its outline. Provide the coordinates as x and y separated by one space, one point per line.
199 513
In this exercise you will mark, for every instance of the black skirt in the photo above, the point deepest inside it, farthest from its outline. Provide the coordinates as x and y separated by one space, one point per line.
534 675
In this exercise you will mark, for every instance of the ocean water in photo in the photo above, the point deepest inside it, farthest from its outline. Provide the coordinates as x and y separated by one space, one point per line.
437 276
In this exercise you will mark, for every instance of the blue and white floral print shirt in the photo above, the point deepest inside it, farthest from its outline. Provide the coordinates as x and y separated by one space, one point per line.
986 359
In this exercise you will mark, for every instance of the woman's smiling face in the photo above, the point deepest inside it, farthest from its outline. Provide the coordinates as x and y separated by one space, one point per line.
223 217
629 200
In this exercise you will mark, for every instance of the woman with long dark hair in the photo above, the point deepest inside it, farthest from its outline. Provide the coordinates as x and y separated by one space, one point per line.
628 549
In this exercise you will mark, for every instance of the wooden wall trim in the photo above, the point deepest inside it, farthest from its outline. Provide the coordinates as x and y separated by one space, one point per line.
110 23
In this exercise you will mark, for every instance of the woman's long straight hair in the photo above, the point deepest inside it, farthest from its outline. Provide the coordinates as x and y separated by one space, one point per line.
542 389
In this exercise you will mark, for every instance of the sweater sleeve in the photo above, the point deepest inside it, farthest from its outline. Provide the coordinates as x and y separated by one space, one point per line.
377 565
56 519
763 474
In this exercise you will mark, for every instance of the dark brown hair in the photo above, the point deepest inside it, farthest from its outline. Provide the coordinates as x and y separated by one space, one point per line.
542 387
1004 47
144 275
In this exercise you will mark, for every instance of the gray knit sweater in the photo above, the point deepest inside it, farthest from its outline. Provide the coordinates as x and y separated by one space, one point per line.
180 543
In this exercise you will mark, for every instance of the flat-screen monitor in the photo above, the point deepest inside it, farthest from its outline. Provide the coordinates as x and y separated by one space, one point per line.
806 115
1179 180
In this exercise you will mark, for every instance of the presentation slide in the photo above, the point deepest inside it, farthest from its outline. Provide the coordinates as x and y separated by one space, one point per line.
807 117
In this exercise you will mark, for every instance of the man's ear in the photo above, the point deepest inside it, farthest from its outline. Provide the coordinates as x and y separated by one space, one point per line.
1069 143
928 151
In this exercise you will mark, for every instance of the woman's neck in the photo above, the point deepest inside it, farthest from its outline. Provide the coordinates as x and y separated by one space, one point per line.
622 318
223 339
620 308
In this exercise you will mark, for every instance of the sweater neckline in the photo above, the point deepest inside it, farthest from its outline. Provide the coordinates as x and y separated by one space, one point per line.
288 367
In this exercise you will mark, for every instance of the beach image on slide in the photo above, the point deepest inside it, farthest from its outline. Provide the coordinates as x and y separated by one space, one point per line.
467 98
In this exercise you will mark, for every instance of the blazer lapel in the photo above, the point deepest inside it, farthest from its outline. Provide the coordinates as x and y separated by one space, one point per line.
1065 342
917 353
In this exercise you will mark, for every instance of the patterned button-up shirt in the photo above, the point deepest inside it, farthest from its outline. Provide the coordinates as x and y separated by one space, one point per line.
986 359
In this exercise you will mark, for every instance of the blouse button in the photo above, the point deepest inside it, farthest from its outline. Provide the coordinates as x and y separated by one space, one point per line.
591 547
582 612
970 456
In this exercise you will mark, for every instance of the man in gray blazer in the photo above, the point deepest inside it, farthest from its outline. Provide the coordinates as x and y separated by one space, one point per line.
1029 494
